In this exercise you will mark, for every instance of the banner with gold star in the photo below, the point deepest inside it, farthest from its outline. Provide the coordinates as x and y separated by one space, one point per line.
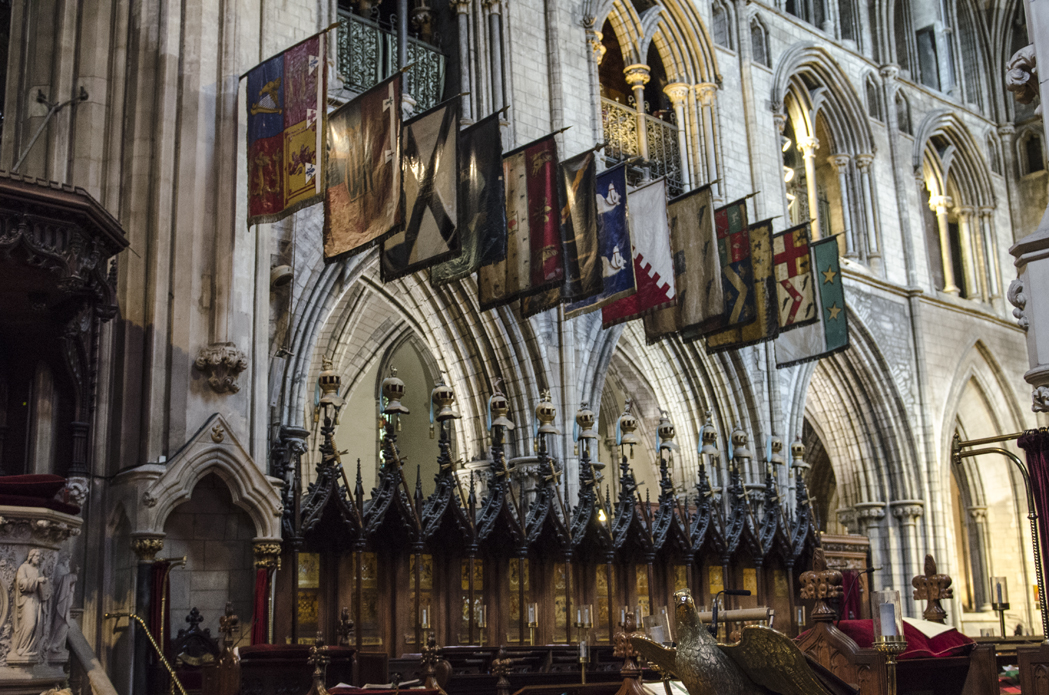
830 333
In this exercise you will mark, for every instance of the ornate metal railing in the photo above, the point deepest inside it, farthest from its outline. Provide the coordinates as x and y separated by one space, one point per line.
664 152
622 141
368 54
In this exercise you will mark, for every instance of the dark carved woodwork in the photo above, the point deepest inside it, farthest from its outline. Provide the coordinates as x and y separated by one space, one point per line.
329 519
932 587
496 508
822 585
586 530
57 286
443 510
390 518
543 524
669 524
630 528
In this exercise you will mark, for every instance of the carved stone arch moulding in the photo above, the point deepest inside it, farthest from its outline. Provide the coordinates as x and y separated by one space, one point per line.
151 492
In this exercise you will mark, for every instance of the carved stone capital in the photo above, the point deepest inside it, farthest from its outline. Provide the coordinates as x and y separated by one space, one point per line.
1040 399
676 92
596 40
147 546
940 203
863 161
267 554
705 92
808 145
222 363
908 511
869 514
978 514
840 161
1007 130
461 6
637 75
964 210
847 518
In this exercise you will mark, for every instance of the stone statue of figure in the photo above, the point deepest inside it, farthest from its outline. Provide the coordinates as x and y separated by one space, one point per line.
65 586
32 592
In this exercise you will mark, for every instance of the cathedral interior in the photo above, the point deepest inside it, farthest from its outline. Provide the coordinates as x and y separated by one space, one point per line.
232 464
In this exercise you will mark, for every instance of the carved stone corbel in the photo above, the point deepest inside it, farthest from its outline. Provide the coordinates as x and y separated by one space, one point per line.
147 546
222 363
267 554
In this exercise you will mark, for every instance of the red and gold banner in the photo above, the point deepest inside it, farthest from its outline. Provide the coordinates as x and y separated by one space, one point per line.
287 95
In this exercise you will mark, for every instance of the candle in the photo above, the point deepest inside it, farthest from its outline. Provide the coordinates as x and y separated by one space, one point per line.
622 616
426 619
582 651
531 613
999 586
578 616
887 613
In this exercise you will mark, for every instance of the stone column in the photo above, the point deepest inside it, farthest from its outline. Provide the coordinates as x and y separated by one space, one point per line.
677 91
462 11
840 163
863 164
968 248
495 52
939 204
868 518
990 250
597 53
907 512
146 547
637 76
705 94
808 147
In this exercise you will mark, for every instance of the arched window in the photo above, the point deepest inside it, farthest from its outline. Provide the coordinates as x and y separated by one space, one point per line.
721 23
873 94
812 11
848 21
901 29
994 152
970 56
759 42
1030 151
903 113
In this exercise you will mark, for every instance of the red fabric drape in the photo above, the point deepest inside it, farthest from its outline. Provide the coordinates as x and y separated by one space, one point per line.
850 595
1036 445
160 623
260 607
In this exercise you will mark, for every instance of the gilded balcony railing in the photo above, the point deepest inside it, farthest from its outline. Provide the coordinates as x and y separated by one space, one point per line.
367 54
622 141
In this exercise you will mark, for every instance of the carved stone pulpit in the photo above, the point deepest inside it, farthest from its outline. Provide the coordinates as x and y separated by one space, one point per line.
932 587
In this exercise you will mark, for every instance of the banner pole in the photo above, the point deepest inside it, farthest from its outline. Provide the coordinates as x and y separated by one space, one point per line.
566 429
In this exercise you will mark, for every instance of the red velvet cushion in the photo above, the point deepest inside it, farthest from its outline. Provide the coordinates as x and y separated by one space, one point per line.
950 643
43 486
20 501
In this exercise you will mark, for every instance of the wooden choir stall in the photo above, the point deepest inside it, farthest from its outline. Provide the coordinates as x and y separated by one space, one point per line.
549 579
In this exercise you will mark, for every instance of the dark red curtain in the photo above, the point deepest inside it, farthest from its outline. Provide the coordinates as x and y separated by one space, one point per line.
160 622
850 595
260 607
1035 444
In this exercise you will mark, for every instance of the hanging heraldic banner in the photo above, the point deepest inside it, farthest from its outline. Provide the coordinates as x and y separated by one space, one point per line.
430 178
613 240
697 271
582 270
482 203
533 261
287 96
830 333
794 281
653 262
730 223
363 204
762 289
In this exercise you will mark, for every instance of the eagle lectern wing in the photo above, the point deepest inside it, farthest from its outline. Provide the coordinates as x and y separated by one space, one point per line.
771 659
664 657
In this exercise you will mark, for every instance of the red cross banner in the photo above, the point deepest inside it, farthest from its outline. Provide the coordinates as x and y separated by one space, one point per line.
766 325
793 271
